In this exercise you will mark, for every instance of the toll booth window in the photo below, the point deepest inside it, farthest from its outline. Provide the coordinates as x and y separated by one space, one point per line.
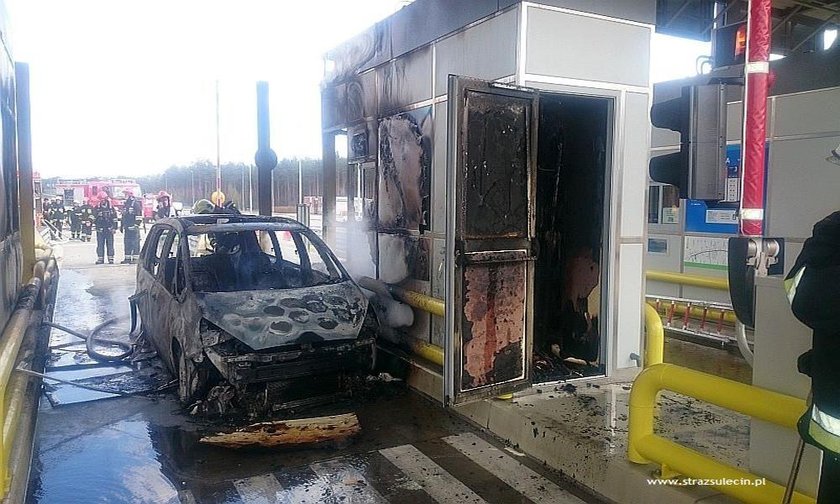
663 204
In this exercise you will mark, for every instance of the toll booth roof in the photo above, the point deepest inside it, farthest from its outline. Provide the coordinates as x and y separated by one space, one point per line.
424 21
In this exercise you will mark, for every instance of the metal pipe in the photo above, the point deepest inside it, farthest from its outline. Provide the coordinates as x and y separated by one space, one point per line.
24 158
754 135
10 343
645 447
654 337
743 345
420 301
431 353
697 311
684 279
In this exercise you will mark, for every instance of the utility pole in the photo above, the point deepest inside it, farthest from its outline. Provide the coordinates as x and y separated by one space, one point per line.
265 158
218 144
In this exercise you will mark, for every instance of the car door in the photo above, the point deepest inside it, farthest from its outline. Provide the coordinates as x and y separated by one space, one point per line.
164 302
145 280
490 226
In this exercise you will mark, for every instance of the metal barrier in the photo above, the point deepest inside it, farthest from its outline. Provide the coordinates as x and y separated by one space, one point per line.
654 337
11 396
13 385
646 447
685 279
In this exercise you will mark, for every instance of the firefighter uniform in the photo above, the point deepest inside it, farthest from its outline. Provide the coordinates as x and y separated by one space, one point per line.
813 288
86 222
76 222
105 222
130 226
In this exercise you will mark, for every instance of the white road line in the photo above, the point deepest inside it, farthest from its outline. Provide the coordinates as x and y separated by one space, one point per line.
348 485
506 468
439 484
263 489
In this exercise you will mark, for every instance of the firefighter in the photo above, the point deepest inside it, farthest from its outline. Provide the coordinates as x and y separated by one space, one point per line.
75 215
164 208
87 219
813 288
132 216
57 216
105 222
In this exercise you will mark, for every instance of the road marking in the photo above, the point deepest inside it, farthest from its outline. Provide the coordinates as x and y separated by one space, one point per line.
439 484
506 468
347 483
263 489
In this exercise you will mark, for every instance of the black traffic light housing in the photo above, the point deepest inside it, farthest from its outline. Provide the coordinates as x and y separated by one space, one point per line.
698 114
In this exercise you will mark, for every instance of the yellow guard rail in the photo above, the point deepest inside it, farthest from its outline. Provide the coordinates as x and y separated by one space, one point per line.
646 447
684 279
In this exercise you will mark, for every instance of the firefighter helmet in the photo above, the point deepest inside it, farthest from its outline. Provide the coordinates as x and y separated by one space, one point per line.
202 206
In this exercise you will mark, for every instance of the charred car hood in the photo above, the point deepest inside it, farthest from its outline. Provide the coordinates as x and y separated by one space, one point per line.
270 318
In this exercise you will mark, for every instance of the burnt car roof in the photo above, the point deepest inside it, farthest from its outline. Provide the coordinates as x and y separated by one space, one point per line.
230 220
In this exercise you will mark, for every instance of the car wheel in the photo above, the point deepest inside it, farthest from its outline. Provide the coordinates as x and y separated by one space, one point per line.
192 379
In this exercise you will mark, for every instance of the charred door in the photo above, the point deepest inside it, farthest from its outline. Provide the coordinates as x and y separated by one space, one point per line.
490 226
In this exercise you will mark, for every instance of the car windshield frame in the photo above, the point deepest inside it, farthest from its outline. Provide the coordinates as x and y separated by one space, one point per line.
321 249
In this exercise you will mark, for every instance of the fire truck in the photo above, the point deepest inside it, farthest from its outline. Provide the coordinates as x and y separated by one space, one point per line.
80 189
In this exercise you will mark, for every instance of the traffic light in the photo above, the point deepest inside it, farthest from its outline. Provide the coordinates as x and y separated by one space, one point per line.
730 45
698 114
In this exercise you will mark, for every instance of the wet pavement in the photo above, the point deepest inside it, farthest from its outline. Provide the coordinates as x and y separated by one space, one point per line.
94 447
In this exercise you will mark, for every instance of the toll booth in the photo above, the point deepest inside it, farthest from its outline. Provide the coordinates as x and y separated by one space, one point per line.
496 158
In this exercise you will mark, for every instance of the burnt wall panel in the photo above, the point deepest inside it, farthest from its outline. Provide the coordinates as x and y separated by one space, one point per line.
426 20
493 324
496 166
403 258
405 80
361 97
404 170
366 50
333 106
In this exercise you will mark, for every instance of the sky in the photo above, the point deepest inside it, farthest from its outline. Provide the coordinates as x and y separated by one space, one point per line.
128 87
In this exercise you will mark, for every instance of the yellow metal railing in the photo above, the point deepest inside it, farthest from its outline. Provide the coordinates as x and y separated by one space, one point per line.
654 337
685 279
11 389
646 447
13 385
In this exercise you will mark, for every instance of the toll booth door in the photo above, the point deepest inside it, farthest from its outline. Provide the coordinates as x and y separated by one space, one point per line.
490 225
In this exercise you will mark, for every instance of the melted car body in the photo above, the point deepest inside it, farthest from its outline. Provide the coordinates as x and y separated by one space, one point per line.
234 300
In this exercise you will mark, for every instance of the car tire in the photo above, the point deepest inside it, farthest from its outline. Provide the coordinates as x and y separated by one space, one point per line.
192 379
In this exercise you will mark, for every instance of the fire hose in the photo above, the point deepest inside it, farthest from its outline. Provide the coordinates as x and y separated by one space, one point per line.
91 339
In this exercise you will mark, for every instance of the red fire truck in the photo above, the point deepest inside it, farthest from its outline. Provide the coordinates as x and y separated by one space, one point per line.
77 190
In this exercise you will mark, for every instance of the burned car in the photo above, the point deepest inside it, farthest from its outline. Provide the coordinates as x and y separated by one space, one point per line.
244 306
